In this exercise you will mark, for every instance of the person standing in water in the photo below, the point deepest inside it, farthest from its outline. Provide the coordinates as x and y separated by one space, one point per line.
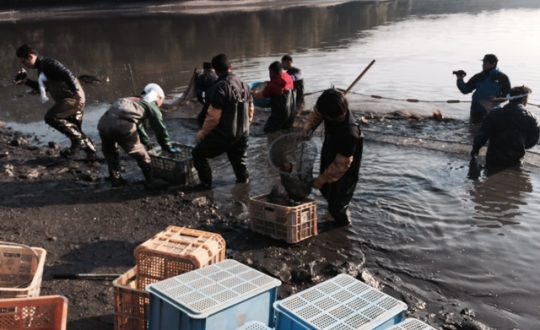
489 84
510 131
341 153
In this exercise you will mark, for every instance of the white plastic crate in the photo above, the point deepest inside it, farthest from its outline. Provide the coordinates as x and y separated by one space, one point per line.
343 303
224 295
412 324
254 325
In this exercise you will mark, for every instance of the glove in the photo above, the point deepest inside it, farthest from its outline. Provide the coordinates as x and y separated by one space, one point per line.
172 150
21 77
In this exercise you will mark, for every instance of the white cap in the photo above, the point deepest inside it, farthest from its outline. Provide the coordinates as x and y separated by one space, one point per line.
152 92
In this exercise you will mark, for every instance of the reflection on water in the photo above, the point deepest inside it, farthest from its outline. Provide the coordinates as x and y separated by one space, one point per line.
500 196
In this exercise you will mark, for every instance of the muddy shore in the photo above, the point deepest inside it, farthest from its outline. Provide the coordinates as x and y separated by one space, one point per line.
68 208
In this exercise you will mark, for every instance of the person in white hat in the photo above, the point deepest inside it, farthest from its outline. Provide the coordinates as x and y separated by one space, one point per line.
122 126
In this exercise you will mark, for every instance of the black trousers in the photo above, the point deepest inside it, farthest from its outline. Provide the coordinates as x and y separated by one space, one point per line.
478 112
214 145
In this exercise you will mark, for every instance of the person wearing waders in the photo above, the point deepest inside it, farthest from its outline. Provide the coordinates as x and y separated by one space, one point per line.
226 127
67 112
510 131
298 80
341 152
279 90
202 85
122 126
489 84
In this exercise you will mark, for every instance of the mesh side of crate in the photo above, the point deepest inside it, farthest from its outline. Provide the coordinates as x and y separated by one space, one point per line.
223 284
21 271
292 224
341 303
411 324
130 303
254 326
176 168
175 251
36 313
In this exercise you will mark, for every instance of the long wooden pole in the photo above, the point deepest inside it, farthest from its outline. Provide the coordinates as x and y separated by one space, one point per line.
359 77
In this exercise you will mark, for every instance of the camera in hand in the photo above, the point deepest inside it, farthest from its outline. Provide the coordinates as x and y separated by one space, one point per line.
21 76
459 73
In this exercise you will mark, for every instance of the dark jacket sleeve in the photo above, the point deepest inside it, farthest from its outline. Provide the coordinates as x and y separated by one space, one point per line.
505 84
199 88
57 71
483 135
32 84
469 86
158 125
533 131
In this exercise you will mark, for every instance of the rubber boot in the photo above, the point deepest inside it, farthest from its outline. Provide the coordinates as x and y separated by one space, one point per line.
90 150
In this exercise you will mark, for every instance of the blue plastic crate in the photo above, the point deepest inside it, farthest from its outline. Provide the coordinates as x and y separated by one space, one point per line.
254 325
412 324
342 303
224 296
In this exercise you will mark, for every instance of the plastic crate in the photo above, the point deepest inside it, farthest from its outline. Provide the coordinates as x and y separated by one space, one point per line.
222 296
340 303
412 324
175 251
21 270
254 325
289 223
35 313
130 303
176 168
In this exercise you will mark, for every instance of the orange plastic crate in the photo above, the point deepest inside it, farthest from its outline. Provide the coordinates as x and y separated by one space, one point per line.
289 223
130 303
36 313
21 270
175 251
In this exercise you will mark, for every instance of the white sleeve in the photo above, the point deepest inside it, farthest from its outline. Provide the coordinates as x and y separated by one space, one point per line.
42 90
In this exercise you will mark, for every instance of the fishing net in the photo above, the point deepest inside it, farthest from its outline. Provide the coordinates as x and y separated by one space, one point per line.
293 156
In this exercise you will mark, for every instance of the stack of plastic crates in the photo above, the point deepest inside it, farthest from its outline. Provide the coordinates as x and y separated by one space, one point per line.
35 313
412 324
222 296
340 303
21 270
176 168
289 223
174 251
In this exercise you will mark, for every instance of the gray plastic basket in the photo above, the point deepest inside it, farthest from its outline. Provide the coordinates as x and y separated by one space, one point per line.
412 324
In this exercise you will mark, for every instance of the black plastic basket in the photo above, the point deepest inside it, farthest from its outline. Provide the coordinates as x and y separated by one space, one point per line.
175 168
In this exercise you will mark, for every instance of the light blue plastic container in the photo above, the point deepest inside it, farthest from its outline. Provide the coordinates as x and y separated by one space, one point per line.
343 303
264 103
222 296
412 324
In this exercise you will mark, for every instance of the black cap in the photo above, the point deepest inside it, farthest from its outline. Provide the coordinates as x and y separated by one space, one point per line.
490 58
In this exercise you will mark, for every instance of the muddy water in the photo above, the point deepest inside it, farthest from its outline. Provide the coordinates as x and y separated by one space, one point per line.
427 230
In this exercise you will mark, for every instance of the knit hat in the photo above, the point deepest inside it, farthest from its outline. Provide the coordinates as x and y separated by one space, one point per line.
152 92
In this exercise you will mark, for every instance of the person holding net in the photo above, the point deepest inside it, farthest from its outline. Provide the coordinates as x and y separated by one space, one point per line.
341 153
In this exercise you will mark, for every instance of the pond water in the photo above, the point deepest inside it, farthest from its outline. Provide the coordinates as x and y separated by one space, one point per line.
427 229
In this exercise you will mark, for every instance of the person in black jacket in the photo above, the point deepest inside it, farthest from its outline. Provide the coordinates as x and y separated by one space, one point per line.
341 153
510 131
298 80
203 83
67 112
226 126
